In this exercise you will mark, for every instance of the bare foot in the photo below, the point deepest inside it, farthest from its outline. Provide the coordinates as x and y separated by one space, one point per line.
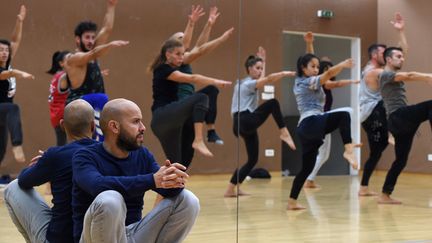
286 137
18 153
386 199
350 156
227 194
201 147
391 139
243 193
232 193
310 184
293 205
364 192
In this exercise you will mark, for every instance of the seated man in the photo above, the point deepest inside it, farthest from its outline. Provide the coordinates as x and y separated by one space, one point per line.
110 179
28 210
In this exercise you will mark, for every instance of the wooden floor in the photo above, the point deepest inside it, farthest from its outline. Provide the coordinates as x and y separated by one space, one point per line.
335 213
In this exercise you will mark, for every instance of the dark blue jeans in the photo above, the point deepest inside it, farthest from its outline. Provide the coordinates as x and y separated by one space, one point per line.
311 132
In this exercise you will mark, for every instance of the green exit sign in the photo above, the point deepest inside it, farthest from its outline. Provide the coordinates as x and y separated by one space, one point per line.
325 14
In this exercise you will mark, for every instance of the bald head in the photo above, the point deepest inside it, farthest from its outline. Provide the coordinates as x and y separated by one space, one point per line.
116 110
78 118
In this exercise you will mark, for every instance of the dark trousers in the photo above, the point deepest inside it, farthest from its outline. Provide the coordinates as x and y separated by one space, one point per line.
212 92
403 124
249 123
10 121
376 130
311 132
168 122
60 136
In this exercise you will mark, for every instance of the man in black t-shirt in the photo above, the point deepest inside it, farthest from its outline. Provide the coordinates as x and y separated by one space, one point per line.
84 76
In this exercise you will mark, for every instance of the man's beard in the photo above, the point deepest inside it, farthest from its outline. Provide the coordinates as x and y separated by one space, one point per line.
83 47
127 143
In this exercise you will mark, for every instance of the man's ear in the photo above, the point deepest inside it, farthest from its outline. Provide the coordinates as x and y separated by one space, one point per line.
62 124
114 126
77 40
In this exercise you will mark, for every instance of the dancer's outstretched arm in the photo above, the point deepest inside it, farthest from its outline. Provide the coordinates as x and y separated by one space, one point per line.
309 40
15 73
399 24
340 83
207 47
335 70
17 32
196 13
108 25
180 77
273 78
205 33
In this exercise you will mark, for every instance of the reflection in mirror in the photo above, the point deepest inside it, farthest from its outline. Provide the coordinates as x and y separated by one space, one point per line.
304 201
142 51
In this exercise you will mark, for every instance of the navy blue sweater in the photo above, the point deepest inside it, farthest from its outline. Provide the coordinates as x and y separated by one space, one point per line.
55 166
95 171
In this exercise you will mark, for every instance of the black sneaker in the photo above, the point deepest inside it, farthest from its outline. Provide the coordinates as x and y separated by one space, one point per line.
212 137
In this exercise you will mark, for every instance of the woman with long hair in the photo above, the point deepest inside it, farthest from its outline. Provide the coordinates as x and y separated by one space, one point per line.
10 118
248 116
169 113
314 123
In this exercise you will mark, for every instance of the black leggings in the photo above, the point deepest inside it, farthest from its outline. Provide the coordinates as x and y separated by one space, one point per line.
10 119
311 132
249 123
403 124
377 133
168 121
212 92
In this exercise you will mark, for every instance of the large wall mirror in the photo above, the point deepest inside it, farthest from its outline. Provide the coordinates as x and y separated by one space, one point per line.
245 176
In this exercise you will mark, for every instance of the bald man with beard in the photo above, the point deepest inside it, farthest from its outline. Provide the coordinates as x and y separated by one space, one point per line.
35 220
110 180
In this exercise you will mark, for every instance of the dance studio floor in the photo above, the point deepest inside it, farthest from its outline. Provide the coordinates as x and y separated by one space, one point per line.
335 213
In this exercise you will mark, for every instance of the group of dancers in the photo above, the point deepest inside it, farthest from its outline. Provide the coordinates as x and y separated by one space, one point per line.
383 105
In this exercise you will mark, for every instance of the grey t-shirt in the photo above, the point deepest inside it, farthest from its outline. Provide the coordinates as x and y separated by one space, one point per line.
392 92
309 95
249 96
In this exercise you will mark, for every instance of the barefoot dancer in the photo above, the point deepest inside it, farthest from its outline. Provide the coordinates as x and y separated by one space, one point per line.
403 119
10 120
169 113
314 124
84 76
372 111
203 46
324 150
248 116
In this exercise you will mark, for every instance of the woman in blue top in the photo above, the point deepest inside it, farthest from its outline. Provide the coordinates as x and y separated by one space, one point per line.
248 116
314 124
